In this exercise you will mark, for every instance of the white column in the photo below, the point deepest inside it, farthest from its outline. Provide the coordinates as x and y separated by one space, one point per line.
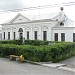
11 34
17 33
6 35
40 33
2 33
31 33
49 34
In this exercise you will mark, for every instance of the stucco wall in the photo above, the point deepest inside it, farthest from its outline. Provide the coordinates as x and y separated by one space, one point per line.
68 33
50 27
31 27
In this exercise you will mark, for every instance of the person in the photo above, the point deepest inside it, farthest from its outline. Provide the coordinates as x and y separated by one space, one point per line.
21 58
23 40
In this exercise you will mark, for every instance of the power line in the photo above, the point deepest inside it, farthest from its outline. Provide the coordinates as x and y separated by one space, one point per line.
41 7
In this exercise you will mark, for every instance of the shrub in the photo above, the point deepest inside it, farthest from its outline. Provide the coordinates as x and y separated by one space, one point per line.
54 52
17 42
26 42
36 42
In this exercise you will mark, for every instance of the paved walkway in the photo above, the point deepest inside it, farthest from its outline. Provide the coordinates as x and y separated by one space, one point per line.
8 67
68 64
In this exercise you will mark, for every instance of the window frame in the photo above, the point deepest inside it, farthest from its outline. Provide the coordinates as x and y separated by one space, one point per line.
62 36
61 23
27 35
55 36
8 35
4 35
73 37
35 35
14 34
44 35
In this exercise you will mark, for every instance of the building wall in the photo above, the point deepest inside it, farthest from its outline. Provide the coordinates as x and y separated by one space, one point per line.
0 32
50 27
68 33
31 27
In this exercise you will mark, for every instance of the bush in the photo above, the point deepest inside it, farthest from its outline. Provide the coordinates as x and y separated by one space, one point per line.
36 42
54 52
62 51
33 53
17 42
26 42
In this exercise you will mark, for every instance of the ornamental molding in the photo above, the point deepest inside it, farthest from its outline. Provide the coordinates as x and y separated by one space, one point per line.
28 28
44 27
36 28
8 29
3 29
13 28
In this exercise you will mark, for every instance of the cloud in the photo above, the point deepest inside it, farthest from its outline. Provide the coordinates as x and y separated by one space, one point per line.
10 4
17 4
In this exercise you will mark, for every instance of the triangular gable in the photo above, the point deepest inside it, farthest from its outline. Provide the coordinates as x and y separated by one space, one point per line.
60 17
19 19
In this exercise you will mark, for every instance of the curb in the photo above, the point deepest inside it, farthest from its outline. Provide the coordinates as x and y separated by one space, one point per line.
32 62
62 67
53 65
67 69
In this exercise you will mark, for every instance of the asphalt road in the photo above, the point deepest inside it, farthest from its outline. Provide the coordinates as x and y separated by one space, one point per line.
8 67
70 62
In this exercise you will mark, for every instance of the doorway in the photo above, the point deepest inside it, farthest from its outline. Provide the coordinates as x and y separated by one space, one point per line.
20 33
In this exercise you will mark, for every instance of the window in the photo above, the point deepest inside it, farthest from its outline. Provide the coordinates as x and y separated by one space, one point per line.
27 35
56 37
44 35
14 35
73 37
62 36
4 35
0 36
8 35
61 24
35 35
20 30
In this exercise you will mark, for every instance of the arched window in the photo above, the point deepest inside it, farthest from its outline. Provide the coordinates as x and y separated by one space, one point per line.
20 30
61 24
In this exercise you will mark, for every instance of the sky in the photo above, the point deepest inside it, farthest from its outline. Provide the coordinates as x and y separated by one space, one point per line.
18 4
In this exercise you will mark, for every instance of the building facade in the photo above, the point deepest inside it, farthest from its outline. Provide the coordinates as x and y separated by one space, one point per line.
56 27
0 32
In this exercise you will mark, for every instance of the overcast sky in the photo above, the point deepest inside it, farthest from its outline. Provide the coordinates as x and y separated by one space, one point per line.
17 4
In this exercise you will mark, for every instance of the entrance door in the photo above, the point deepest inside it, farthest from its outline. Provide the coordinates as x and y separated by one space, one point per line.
20 36
20 33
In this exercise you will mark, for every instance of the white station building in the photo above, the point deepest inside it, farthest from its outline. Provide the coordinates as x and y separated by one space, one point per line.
0 32
54 27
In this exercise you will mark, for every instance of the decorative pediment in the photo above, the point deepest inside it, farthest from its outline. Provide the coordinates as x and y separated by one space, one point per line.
44 27
36 28
19 19
28 28
13 28
8 29
3 29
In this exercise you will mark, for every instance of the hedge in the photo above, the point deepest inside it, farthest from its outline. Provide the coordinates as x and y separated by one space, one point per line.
17 42
54 52
34 53
26 42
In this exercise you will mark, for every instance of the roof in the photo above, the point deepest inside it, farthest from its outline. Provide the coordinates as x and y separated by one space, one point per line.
42 18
